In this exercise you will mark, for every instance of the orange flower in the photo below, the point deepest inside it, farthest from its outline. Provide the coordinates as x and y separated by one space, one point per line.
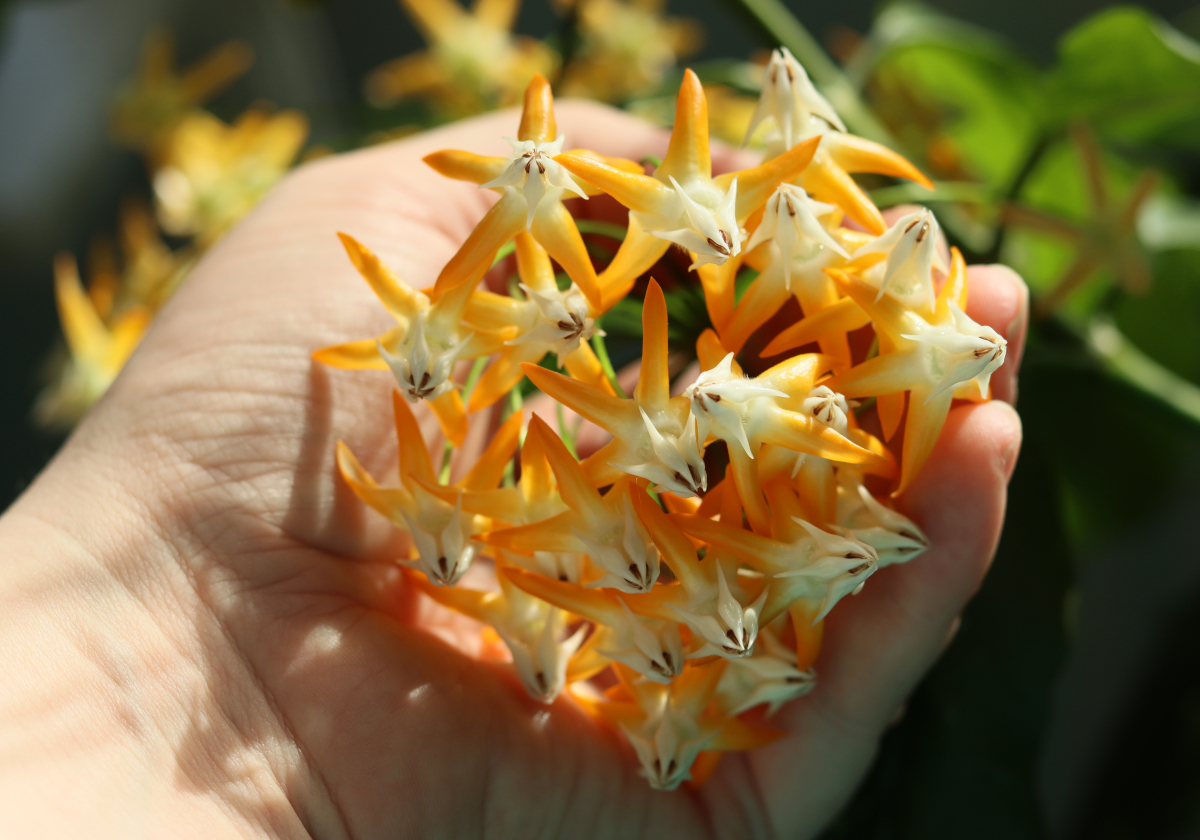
422 349
149 107
473 62
532 185
682 202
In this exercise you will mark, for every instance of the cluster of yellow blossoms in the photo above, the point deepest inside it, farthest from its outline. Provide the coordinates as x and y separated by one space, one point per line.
673 605
206 175
474 61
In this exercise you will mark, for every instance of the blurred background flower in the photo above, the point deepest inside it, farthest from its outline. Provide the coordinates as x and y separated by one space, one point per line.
1062 139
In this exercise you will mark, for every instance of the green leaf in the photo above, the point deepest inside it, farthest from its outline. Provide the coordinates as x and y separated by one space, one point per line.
623 319
976 90
1058 186
1162 322
687 317
1131 76
742 282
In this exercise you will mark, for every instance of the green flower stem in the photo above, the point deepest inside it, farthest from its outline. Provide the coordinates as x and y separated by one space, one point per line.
606 364
473 377
513 406
468 387
505 249
782 25
1119 355
608 229
564 432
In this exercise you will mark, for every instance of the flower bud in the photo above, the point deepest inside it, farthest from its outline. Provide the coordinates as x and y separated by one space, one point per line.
790 98
913 249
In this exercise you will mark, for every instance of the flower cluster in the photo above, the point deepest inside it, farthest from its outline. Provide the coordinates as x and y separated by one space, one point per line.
674 582
206 176
474 61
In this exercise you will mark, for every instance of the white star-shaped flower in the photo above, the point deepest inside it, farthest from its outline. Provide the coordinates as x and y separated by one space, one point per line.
533 170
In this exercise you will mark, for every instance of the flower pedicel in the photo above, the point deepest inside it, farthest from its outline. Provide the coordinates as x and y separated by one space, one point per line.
669 602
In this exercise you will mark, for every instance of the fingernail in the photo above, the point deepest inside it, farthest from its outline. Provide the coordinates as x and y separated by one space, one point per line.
1010 451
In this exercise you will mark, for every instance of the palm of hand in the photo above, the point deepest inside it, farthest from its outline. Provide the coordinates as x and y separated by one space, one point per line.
325 705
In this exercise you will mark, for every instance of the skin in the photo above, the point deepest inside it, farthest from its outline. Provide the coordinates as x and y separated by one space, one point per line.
201 634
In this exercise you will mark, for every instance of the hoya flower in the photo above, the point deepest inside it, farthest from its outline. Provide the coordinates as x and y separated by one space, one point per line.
625 48
441 532
669 725
212 174
788 97
770 676
534 497
894 536
968 351
150 271
728 627
749 413
801 238
723 618
98 350
533 170
720 398
682 202
473 62
800 114
422 349
534 632
912 250
602 527
151 105
792 220
651 647
563 324
653 435
812 476
819 566
928 358
566 566
423 371
547 321
532 185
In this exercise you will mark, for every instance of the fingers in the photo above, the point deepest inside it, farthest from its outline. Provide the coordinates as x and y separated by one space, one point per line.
879 643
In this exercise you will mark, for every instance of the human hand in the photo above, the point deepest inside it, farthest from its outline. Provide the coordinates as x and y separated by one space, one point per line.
202 632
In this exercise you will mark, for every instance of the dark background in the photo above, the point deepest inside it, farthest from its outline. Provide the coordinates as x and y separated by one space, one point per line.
1097 735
